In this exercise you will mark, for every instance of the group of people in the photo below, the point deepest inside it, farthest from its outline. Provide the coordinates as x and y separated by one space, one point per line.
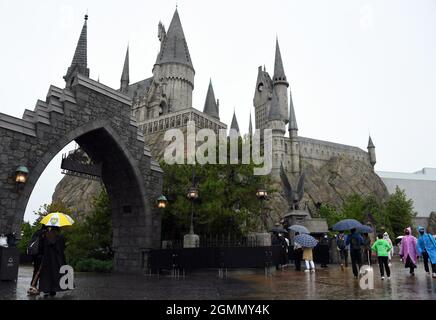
46 247
410 249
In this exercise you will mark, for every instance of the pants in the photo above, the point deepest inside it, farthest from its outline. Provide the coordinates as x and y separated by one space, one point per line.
298 255
356 260
409 264
384 262
366 256
343 255
310 265
426 259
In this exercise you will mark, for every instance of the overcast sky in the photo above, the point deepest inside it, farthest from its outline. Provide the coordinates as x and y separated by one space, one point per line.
354 67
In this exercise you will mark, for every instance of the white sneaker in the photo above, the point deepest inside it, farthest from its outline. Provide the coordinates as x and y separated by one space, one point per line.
313 270
382 278
307 270
434 275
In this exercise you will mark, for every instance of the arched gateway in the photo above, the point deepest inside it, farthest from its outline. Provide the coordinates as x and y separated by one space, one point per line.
100 120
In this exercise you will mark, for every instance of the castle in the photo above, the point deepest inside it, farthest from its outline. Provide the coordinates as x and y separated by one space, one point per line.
164 101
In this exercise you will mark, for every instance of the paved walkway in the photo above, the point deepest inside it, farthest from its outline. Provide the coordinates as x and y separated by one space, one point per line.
330 283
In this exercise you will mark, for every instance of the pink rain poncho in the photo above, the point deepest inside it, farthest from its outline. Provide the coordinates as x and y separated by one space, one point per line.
408 248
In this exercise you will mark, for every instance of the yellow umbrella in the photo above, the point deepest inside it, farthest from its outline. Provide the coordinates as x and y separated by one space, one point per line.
57 219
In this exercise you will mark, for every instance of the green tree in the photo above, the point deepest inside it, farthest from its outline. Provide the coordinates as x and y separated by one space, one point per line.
399 211
227 201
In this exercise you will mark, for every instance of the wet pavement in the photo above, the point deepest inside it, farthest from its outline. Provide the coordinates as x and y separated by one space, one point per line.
330 283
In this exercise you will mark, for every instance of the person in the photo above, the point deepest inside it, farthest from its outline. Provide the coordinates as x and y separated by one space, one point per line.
366 245
53 243
324 251
342 248
391 252
408 252
382 247
426 247
284 251
355 241
35 250
308 259
298 254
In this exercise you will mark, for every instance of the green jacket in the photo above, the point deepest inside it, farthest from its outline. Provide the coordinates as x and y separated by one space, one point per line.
382 247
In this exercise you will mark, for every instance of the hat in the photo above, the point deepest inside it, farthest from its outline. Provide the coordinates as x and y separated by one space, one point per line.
421 228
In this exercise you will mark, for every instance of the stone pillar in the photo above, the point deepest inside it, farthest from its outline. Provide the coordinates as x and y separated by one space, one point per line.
191 240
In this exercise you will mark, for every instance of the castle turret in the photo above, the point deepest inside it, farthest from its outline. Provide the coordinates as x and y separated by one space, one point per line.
277 125
250 127
211 105
293 135
125 75
174 67
281 84
79 65
371 152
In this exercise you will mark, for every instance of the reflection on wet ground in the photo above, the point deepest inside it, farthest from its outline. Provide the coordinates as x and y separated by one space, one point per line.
330 283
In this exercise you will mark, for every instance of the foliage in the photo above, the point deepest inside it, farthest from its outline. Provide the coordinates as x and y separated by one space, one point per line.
27 230
93 265
391 215
227 199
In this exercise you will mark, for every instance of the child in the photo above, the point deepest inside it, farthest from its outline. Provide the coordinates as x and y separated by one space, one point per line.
382 247
308 259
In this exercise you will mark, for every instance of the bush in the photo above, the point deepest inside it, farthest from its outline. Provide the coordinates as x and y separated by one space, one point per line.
93 265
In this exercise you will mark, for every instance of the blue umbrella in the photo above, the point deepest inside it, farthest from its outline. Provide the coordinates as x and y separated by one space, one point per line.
364 229
306 240
347 224
299 228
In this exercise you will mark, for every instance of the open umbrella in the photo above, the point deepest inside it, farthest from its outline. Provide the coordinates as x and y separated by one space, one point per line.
57 219
364 229
347 224
306 240
278 230
299 228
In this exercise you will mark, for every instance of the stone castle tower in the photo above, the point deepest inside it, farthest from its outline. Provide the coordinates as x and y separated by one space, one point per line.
273 110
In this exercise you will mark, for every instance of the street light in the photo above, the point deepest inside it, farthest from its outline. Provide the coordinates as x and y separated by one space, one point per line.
162 202
192 196
21 174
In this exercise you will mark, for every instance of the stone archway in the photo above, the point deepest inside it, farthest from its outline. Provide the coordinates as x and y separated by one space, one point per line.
99 119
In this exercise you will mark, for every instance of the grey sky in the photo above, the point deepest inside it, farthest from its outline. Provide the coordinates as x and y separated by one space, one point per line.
354 67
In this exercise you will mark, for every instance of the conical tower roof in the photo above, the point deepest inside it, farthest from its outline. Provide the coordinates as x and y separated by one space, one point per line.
234 124
279 71
292 118
210 105
370 143
125 76
80 58
250 127
174 48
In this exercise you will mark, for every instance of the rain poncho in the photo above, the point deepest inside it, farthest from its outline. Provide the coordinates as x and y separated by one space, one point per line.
427 242
391 252
408 248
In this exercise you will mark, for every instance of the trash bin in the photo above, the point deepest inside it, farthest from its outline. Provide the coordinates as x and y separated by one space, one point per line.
9 261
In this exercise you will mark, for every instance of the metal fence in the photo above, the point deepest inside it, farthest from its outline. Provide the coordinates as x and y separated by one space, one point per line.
214 241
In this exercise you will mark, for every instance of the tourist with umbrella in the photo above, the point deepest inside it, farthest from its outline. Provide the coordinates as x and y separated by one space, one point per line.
342 248
53 246
307 242
355 241
408 252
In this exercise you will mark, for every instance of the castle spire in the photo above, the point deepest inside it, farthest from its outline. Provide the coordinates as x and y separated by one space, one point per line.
234 124
79 65
211 105
371 152
125 79
292 118
250 127
174 48
279 72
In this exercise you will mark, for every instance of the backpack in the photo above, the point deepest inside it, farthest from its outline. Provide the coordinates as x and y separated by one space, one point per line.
33 247
354 243
341 244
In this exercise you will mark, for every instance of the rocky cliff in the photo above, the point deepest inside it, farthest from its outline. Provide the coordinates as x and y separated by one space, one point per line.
332 183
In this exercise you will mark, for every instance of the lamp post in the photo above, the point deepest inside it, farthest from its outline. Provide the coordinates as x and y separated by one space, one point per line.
192 196
262 195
